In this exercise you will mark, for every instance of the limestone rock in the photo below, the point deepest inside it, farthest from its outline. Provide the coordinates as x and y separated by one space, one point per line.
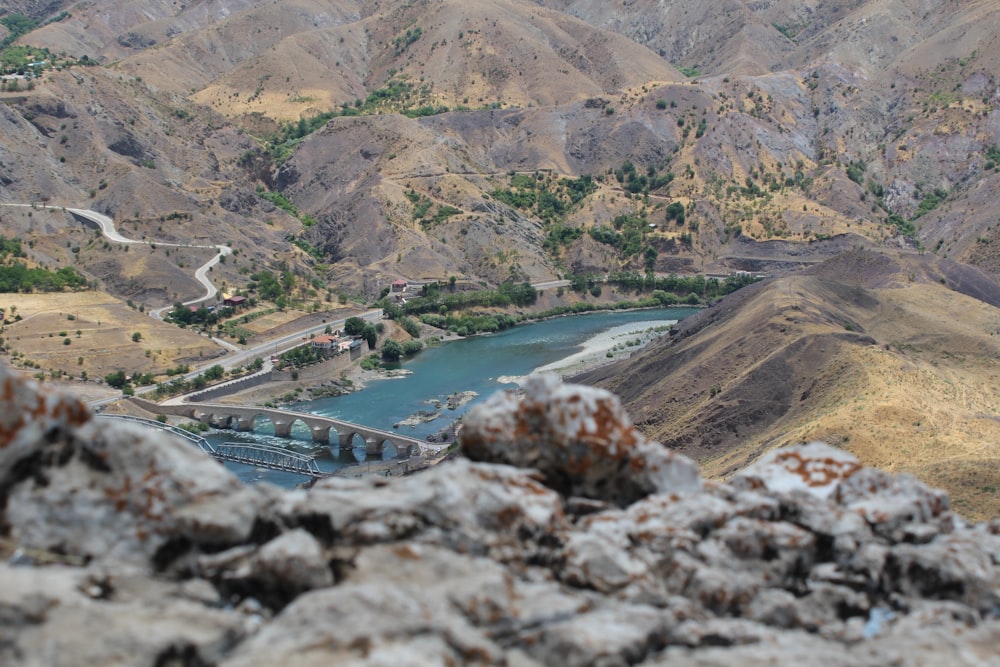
51 618
579 439
96 490
471 507
295 561
594 547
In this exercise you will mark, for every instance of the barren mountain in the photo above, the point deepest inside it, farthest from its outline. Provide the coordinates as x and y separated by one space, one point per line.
822 125
345 144
891 356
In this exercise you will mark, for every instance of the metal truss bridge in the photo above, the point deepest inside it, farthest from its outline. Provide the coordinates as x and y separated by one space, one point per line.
259 456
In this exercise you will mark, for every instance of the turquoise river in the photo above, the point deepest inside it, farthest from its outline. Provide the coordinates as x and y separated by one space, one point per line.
479 364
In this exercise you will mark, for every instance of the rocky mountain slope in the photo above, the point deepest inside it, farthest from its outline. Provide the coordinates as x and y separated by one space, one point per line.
890 357
345 144
132 547
800 123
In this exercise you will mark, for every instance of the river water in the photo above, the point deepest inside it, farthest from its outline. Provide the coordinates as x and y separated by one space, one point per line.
480 364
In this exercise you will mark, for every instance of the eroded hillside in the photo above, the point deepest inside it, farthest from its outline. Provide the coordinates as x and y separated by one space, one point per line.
892 357
717 138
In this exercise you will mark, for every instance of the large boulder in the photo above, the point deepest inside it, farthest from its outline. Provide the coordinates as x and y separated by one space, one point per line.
579 439
83 487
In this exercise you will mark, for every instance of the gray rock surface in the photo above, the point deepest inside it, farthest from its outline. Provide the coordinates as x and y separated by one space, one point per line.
571 540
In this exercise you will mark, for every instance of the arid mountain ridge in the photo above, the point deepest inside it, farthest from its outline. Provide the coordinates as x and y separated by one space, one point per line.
785 95
891 358
453 139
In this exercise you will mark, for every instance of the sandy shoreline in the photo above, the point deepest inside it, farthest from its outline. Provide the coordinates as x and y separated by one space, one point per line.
604 348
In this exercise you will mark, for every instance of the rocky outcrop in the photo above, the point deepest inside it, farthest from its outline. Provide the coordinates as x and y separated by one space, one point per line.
128 547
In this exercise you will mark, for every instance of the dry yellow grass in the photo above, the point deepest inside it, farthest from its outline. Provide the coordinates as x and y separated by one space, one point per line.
100 334
926 403
901 372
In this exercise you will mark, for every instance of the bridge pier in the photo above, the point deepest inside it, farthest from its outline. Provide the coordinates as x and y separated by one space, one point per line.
282 427
373 447
345 439
244 424
218 421
320 434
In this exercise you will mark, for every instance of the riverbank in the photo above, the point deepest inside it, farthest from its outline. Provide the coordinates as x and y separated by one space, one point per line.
599 350
608 347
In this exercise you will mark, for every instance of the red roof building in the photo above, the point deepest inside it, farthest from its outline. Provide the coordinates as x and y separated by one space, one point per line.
325 342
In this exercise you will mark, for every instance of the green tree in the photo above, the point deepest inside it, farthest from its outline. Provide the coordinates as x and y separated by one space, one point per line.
116 380
391 350
354 326
370 335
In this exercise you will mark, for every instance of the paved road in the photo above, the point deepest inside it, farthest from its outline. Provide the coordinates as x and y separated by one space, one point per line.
264 351
550 284
107 226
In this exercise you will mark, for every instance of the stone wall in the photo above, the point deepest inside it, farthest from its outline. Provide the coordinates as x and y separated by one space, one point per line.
231 387
324 370
562 537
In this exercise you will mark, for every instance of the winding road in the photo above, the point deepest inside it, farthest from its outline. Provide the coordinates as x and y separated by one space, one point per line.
107 227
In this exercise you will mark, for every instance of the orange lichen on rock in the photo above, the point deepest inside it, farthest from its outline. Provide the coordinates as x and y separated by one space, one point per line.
579 438
24 406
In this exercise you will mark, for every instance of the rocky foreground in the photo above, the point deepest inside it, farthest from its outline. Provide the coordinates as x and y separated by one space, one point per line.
564 538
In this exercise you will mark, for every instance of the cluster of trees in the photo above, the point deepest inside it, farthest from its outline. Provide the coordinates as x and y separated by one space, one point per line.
393 350
546 197
11 248
549 199
507 294
303 355
700 286
469 324
17 277
183 316
179 385
271 287
637 183
119 380
397 94
24 59
355 326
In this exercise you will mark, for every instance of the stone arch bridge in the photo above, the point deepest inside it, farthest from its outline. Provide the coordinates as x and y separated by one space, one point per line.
240 418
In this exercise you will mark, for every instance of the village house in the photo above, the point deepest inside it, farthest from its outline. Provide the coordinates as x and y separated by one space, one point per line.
325 342
233 301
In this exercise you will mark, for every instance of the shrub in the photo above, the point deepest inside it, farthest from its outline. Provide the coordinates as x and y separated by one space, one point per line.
391 350
411 347
411 327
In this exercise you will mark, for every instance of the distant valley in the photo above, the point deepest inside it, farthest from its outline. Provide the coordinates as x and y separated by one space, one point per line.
848 151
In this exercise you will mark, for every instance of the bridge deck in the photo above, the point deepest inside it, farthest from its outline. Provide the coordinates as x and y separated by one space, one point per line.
266 456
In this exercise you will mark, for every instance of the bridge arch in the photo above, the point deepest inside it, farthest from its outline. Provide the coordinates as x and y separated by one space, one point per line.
259 422
299 429
355 443
340 436
223 420
387 449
